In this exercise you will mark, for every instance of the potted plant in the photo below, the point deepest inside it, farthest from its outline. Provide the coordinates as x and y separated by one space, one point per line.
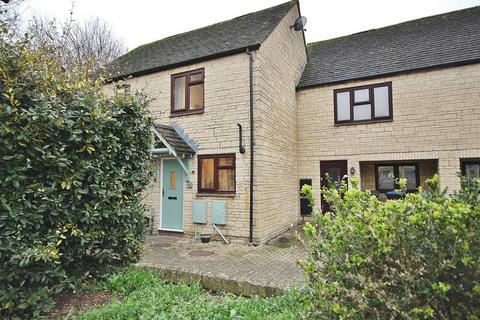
205 237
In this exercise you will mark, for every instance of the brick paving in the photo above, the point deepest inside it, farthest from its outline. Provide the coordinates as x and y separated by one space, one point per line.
237 268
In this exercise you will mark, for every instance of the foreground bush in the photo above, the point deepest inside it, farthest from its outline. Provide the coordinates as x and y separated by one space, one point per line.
414 258
73 163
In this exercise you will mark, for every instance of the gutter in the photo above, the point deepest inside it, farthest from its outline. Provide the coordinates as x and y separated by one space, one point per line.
252 47
390 73
250 71
159 150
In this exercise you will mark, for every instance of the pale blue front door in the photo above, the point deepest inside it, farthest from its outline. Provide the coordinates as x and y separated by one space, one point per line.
172 196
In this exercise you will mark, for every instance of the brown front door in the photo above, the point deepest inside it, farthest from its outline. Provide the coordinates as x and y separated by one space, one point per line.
336 171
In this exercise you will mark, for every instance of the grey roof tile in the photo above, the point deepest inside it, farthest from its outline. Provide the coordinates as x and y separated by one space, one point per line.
174 139
236 35
446 39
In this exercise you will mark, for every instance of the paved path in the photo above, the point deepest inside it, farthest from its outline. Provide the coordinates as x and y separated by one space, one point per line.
241 269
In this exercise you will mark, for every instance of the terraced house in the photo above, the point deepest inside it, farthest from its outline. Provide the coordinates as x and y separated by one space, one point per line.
246 112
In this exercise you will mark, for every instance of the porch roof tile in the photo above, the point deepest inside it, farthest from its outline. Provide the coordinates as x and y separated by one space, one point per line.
174 139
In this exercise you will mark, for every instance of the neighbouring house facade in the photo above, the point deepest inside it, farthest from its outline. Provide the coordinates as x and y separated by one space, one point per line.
245 112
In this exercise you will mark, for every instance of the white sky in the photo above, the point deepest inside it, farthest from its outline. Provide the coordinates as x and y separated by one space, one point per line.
141 21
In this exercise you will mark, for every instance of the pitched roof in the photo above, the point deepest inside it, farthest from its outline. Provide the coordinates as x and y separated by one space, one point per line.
447 39
232 36
174 139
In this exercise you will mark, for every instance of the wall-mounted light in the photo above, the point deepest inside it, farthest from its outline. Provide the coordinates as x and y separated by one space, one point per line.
352 171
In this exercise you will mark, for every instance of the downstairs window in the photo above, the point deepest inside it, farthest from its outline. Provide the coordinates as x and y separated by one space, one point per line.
386 174
216 173
471 169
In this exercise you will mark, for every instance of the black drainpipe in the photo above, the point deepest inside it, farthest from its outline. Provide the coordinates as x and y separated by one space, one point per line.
250 70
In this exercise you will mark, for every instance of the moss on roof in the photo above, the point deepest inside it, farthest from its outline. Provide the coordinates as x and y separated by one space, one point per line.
445 39
225 37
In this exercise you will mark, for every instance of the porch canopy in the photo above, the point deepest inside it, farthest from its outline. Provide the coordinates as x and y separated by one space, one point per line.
171 140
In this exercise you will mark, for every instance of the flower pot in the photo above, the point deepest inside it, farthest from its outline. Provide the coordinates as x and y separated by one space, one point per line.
205 237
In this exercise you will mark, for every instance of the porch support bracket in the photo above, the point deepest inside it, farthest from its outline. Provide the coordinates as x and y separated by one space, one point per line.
171 151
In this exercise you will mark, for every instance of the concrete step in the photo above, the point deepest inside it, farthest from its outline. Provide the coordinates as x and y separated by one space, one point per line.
214 283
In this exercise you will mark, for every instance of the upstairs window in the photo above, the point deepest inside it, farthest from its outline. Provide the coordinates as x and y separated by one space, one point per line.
216 173
363 104
386 175
188 92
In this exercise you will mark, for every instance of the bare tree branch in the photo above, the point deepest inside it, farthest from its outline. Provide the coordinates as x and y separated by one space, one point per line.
89 44
10 14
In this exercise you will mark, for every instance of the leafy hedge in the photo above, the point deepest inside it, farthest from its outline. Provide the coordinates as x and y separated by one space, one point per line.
414 258
73 164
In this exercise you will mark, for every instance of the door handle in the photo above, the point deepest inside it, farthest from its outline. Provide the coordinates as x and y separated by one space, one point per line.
172 198
163 192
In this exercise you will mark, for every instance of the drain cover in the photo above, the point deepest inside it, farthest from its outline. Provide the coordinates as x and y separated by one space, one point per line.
200 253
161 245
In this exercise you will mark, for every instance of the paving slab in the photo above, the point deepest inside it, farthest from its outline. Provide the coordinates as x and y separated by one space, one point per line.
241 269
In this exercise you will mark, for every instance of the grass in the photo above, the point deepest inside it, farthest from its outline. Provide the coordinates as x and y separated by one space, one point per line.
286 242
144 295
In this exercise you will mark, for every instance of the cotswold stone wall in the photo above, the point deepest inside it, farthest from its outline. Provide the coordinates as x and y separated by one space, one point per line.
436 115
278 66
215 130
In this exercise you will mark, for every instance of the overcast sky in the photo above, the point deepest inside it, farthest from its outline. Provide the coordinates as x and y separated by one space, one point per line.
142 21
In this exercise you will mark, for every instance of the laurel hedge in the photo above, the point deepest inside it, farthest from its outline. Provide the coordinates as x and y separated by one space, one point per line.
73 164
412 258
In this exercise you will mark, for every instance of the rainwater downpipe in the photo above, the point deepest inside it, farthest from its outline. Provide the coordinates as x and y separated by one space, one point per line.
250 70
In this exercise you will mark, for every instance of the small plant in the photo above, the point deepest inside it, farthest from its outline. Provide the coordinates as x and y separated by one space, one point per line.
413 258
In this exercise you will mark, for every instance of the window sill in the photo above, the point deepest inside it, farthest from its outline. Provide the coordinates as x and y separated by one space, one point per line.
353 123
185 113
221 195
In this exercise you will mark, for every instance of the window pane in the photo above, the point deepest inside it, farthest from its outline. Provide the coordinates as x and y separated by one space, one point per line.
179 92
409 173
362 112
196 96
225 161
207 169
173 180
382 102
343 106
361 95
196 77
334 177
472 171
226 180
386 178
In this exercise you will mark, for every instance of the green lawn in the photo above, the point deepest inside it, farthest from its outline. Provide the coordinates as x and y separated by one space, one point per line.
143 295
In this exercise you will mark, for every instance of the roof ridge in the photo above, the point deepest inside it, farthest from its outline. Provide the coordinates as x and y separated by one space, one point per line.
291 2
440 41
220 39
312 44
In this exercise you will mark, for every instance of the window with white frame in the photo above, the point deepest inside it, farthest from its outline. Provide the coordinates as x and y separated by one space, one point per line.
363 104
